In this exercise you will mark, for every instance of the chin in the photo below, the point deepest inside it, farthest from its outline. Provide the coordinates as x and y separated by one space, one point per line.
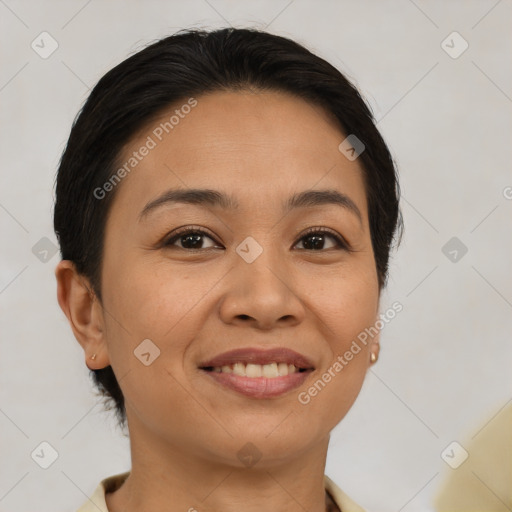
271 444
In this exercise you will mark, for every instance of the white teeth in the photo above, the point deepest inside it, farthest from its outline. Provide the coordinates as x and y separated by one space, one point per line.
239 369
253 370
282 368
269 371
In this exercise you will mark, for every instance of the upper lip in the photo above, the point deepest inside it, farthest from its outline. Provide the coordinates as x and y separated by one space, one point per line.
259 356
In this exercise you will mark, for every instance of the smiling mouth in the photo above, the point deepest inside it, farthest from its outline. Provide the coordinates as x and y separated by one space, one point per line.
259 373
258 381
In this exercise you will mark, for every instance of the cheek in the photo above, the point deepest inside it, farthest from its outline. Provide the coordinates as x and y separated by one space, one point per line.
330 396
348 302
348 309
144 303
153 302
166 304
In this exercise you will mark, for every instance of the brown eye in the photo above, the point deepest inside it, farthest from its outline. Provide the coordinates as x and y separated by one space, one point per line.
190 239
315 240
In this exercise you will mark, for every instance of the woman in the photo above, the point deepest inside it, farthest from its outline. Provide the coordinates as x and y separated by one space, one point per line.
225 208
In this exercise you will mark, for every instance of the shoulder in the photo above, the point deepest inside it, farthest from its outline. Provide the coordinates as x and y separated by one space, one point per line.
345 504
96 502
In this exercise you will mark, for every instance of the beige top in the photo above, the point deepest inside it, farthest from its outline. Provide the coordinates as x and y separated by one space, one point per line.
482 481
97 503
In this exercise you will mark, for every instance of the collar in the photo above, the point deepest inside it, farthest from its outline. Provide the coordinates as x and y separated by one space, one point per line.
97 503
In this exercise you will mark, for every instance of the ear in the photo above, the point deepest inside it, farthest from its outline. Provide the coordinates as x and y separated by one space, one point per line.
84 312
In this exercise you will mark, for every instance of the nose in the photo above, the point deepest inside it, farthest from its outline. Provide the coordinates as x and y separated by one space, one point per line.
262 293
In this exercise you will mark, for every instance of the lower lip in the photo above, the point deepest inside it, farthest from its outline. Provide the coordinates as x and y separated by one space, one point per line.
260 387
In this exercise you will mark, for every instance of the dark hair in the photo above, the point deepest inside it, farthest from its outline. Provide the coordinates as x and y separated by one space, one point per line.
190 63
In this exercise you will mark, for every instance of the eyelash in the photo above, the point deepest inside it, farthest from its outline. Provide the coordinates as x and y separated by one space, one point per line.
340 242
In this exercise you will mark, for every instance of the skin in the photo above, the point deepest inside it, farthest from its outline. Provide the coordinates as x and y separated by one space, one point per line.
185 429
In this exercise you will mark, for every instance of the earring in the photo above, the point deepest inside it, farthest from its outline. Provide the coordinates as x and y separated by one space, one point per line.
93 357
373 357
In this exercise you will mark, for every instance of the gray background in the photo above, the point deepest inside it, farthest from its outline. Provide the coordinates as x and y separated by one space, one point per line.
444 370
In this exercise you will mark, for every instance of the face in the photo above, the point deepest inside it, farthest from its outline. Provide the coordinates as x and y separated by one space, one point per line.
199 279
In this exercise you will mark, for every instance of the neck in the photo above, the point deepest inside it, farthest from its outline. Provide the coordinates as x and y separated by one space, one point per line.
174 479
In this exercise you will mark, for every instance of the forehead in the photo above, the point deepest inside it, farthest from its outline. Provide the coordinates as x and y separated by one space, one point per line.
257 145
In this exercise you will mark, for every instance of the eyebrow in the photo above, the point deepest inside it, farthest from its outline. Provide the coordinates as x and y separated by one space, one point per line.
209 197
